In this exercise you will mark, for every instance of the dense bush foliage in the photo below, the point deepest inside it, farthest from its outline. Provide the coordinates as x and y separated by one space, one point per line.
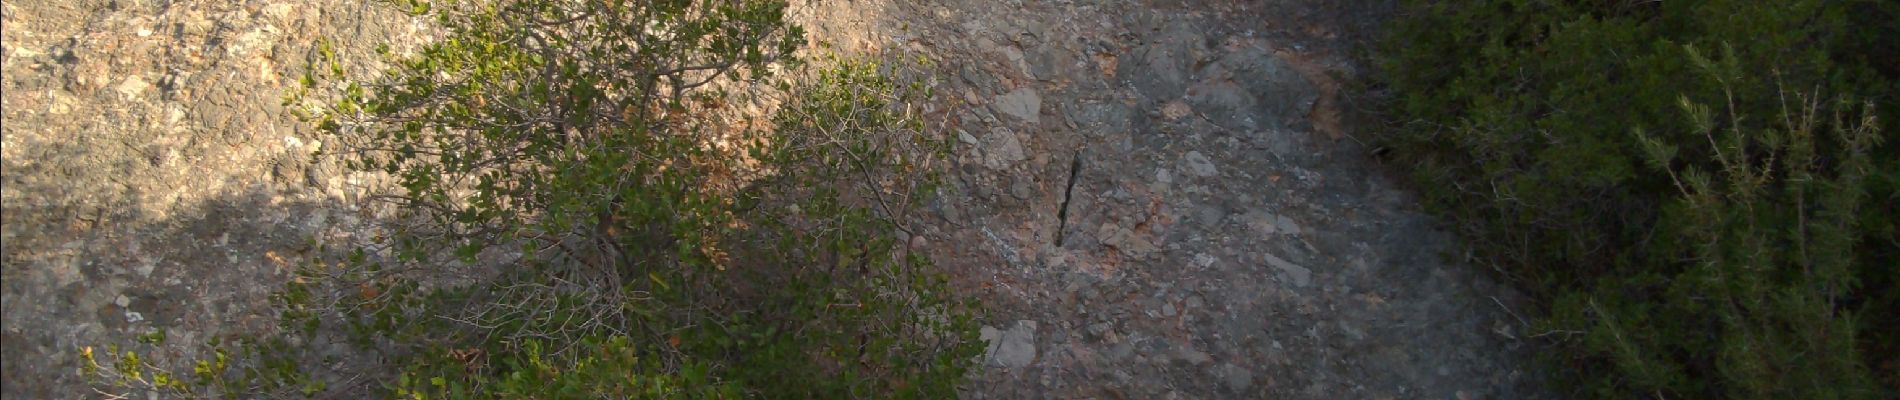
1695 189
584 211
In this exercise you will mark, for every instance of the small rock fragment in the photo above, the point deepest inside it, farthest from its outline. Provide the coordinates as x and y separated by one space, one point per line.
133 86
1203 260
1127 241
1023 103
1200 165
1300 276
1175 110
1014 348
966 137
1001 148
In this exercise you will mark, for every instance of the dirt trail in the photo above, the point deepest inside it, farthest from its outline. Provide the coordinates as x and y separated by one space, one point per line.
1157 199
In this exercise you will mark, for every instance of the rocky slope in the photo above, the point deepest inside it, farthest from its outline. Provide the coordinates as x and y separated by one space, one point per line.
1158 200
153 178
1161 201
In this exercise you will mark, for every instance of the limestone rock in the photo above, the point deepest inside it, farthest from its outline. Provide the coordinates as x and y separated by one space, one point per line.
132 87
1124 239
1023 103
1013 348
1001 148
1200 165
1298 275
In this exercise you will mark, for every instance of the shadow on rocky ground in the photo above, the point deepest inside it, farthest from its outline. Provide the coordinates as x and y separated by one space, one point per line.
152 176
203 272
1166 200
1156 199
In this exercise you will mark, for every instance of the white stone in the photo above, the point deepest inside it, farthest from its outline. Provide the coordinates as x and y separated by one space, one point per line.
1023 103
966 137
145 268
60 103
1014 348
174 114
133 86
280 12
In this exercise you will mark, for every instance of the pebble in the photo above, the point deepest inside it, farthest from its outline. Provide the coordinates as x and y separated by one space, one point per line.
1203 260
132 86
1299 276
1200 165
1023 104
1013 348
1002 148
145 268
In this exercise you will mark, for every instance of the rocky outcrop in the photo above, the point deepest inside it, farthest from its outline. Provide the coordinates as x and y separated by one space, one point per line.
1161 202
1156 201
154 178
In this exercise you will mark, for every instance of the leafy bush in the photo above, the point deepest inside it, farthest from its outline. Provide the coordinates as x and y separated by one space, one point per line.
1739 244
585 211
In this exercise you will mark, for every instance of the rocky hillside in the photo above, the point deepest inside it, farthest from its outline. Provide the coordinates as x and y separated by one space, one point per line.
153 179
1156 200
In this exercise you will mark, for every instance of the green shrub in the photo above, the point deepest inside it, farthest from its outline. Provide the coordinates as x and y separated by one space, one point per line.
583 212
1739 245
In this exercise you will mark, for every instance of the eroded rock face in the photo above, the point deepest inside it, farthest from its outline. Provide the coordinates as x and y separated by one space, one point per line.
1166 192
153 178
1152 198
1249 89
